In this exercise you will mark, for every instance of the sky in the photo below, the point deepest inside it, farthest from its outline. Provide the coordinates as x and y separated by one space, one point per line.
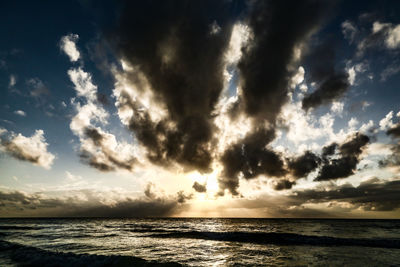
200 109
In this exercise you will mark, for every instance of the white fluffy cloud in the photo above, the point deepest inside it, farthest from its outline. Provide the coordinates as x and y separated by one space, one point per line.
68 45
32 149
83 83
241 33
386 122
337 107
102 151
298 78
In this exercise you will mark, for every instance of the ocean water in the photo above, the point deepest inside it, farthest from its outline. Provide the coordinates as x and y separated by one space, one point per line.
199 242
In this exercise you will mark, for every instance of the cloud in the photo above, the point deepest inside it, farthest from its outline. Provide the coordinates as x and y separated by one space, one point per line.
304 164
200 188
346 160
386 122
240 36
298 78
394 131
83 83
84 203
221 91
390 71
13 81
160 62
382 35
68 46
20 113
393 160
111 158
182 197
390 32
283 184
331 84
268 58
250 158
305 128
98 148
38 88
102 151
32 149
185 132
265 79
354 71
371 195
2 131
148 191
349 30
72 178
337 107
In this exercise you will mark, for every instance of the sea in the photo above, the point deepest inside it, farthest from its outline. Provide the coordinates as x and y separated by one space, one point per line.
198 242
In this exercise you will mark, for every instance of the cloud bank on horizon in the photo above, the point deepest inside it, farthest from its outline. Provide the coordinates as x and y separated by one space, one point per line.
262 104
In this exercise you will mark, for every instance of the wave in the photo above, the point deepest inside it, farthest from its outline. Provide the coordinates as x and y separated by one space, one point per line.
14 227
283 239
139 230
31 256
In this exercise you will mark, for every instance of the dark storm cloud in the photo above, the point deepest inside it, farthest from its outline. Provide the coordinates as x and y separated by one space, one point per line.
186 144
180 46
284 184
112 160
393 160
266 68
200 188
304 164
346 160
394 131
331 84
21 204
373 194
278 27
173 44
329 150
250 158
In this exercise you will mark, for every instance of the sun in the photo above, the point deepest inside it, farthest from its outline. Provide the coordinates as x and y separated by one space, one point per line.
210 180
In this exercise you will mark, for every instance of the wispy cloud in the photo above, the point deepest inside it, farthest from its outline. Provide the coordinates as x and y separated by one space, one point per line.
20 113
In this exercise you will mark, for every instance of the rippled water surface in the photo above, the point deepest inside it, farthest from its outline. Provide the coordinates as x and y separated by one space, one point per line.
199 242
